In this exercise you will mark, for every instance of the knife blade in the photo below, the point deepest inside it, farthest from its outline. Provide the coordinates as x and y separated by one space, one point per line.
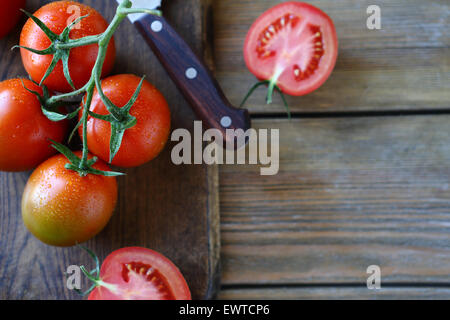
195 81
146 4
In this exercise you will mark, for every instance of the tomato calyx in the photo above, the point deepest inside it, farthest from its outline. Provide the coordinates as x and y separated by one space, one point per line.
272 86
120 119
82 165
60 46
94 276
50 111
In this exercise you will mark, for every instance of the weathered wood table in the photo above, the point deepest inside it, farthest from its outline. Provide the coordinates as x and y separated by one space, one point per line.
365 163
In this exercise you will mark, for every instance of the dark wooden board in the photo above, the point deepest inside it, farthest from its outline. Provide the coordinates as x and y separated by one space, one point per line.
172 209
351 192
403 66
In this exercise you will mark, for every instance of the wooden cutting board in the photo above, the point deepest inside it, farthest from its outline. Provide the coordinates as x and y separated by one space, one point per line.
168 208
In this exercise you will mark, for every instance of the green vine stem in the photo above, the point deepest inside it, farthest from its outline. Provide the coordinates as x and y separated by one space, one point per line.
94 276
120 118
271 87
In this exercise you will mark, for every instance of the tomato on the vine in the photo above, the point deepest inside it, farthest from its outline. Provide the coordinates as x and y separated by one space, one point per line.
57 16
293 45
62 208
10 15
146 139
24 130
140 274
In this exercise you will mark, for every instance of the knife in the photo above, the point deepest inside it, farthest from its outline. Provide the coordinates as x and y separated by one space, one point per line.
189 73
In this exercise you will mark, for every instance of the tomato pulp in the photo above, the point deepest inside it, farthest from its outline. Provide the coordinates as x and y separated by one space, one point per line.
140 274
294 45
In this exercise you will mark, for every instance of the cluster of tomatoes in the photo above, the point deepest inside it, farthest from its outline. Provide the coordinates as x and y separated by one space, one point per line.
60 206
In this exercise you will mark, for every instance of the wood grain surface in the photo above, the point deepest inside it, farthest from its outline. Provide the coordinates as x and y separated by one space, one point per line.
335 293
351 192
360 183
357 185
404 66
172 209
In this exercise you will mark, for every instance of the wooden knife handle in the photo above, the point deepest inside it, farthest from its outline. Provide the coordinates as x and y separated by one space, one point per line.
192 77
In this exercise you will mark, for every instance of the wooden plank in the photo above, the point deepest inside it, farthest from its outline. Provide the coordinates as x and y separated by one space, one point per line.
172 209
351 192
330 293
413 24
404 66
364 80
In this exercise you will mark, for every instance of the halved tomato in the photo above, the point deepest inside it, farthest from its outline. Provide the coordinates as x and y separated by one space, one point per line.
136 273
294 45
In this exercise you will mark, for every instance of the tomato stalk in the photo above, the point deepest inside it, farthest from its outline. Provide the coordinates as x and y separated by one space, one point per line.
272 86
94 276
119 118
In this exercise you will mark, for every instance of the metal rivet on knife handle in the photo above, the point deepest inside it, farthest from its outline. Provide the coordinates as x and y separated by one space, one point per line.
192 76
226 122
191 73
157 26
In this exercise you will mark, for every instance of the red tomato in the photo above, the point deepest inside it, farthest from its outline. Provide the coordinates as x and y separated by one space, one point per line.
61 208
10 15
295 44
147 138
57 15
140 274
24 130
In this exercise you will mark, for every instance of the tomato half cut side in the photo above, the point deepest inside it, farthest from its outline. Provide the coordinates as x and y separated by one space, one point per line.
294 45
136 273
